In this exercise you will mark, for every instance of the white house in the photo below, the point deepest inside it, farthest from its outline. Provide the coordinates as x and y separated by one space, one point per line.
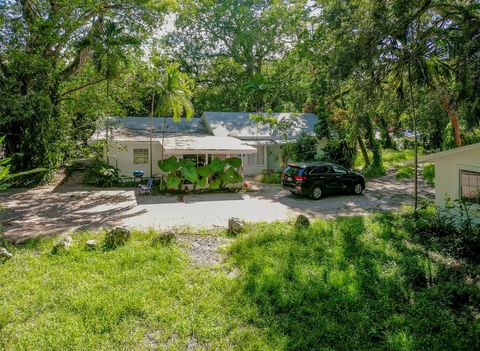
215 134
129 143
457 174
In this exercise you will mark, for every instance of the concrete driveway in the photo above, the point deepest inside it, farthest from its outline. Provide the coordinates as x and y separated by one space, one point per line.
57 209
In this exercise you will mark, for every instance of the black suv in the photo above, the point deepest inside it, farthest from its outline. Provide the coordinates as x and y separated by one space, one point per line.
317 179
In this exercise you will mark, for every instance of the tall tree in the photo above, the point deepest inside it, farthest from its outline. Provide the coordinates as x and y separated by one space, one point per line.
46 44
172 94
228 45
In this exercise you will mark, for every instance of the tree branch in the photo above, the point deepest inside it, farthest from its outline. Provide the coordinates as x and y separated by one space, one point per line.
77 64
82 87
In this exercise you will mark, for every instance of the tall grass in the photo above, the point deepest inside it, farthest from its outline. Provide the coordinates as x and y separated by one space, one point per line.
358 283
138 297
390 158
428 174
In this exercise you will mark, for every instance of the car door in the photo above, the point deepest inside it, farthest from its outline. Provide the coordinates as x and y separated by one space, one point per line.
340 181
325 176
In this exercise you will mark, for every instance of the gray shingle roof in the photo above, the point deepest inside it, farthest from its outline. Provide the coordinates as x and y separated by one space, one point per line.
193 125
239 124
138 128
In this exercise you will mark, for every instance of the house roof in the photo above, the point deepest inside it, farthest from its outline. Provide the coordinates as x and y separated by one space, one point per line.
239 124
446 153
183 136
207 144
138 128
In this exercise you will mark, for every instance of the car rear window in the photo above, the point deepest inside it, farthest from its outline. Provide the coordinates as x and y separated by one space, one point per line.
293 170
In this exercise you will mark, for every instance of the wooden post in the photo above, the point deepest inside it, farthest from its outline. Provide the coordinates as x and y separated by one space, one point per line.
106 142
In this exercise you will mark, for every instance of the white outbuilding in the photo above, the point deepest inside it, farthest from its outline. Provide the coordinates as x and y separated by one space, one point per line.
457 175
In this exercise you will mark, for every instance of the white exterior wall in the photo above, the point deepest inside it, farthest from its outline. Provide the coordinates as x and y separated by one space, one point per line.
121 156
251 170
447 174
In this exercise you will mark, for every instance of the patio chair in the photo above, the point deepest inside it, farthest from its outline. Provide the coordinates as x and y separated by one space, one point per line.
145 189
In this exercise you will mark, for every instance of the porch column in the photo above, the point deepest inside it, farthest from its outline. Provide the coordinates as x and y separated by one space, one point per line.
206 162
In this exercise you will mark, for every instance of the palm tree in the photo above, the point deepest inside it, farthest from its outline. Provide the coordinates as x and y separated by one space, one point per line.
110 57
412 60
173 95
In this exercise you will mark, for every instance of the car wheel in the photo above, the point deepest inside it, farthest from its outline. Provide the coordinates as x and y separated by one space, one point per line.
316 192
357 189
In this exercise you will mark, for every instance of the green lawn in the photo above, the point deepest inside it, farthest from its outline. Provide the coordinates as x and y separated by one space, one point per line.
390 158
360 283
138 297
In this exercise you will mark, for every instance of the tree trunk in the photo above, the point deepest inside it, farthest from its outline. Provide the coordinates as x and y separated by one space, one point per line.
106 141
414 116
453 119
387 140
151 137
364 150
374 145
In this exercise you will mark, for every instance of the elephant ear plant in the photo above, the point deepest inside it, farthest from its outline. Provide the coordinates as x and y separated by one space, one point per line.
217 174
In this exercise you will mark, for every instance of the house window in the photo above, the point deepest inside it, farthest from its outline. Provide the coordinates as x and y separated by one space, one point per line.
257 159
470 186
199 160
140 156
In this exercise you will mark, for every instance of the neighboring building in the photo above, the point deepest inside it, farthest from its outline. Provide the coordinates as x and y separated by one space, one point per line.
215 134
267 141
457 175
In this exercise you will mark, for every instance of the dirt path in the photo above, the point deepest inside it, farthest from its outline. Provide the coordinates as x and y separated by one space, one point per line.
62 208
203 250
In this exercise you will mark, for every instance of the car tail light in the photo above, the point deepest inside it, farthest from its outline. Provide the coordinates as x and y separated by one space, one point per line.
301 178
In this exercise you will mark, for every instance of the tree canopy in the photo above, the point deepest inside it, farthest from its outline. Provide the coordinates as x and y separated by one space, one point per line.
359 65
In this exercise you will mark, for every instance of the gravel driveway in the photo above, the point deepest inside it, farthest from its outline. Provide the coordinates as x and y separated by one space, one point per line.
57 209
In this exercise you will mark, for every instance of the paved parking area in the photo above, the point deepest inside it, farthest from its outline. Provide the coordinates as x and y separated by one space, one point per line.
57 209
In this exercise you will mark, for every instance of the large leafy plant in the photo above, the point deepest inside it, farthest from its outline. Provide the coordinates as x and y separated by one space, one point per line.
218 174
102 174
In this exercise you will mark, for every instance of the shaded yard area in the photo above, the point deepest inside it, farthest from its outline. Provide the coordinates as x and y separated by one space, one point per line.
354 283
48 209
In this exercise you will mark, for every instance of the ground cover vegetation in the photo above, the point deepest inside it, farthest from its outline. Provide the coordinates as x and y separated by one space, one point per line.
381 282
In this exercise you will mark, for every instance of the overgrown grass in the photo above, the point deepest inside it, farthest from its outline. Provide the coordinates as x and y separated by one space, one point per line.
138 297
404 172
355 283
269 178
428 173
390 158
360 283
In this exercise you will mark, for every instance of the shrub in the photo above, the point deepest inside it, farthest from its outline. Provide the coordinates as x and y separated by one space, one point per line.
405 172
305 147
372 171
408 143
452 229
269 176
429 174
102 174
341 152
